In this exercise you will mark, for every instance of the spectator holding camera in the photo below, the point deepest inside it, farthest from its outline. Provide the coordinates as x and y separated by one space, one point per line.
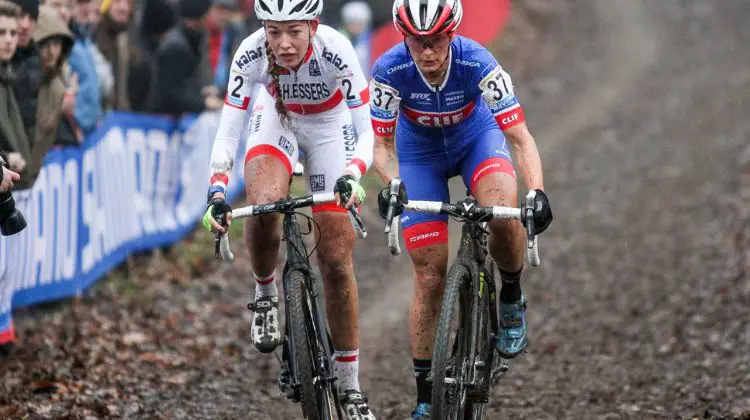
9 177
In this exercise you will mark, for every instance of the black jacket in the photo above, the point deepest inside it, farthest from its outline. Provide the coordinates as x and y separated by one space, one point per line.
179 74
27 71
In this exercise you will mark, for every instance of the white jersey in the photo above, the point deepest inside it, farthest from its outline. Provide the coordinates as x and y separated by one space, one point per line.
328 81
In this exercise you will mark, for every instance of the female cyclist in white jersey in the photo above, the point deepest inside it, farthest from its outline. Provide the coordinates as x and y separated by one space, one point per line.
315 99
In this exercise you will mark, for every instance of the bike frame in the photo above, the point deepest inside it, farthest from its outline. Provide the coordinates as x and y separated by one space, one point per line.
473 256
297 261
474 368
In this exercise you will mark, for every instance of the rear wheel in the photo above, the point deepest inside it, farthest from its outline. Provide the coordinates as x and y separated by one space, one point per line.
450 350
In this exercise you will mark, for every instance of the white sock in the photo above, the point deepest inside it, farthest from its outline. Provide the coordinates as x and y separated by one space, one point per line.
346 369
265 286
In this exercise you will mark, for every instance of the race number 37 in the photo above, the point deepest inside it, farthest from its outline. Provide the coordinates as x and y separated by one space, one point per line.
384 97
496 86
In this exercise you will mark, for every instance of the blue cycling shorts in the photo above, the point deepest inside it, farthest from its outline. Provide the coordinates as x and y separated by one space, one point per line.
427 179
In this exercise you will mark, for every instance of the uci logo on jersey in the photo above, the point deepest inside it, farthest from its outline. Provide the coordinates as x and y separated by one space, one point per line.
334 59
248 57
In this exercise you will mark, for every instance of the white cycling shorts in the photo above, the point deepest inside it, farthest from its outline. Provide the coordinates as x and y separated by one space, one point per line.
327 141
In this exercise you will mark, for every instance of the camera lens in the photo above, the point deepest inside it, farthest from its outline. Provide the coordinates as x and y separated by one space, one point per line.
11 220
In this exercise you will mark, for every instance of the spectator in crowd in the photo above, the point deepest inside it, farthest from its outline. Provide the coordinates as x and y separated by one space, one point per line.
356 20
67 132
158 17
224 37
13 140
113 40
25 64
88 108
55 42
103 67
64 8
244 17
181 85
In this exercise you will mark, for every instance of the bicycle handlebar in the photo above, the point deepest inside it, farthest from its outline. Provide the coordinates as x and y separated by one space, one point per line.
468 211
221 240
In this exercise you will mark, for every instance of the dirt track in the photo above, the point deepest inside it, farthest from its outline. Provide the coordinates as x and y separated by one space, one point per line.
642 306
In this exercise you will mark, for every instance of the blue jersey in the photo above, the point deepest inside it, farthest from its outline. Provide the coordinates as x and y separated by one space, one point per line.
443 131
477 95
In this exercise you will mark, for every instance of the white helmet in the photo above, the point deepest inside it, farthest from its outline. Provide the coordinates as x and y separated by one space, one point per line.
285 10
427 17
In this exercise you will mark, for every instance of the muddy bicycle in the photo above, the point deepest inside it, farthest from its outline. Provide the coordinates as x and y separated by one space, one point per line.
306 375
464 362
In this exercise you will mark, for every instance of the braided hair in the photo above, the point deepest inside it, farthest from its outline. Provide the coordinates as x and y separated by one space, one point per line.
273 71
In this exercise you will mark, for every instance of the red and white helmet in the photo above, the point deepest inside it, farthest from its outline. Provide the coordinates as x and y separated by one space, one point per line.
427 17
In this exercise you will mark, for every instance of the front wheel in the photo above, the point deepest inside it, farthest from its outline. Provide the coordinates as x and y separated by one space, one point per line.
451 347
302 357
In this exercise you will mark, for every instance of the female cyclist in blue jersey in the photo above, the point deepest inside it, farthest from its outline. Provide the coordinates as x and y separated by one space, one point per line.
442 106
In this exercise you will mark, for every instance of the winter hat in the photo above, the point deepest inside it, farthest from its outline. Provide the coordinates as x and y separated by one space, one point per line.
158 17
226 4
29 6
194 9
356 12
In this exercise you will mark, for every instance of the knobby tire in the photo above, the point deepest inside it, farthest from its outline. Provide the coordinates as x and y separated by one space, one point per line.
303 360
444 404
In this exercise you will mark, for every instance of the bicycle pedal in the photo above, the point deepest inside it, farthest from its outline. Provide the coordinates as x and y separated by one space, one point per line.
499 371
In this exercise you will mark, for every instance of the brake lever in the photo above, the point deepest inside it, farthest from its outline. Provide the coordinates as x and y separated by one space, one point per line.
529 212
395 187
531 238
221 219
360 225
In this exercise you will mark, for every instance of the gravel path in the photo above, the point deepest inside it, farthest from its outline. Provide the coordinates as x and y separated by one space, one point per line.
641 309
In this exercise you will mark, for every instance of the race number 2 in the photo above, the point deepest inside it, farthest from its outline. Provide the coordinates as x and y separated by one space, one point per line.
237 92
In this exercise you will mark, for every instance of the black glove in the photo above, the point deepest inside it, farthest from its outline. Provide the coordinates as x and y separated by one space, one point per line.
384 200
217 210
343 188
542 212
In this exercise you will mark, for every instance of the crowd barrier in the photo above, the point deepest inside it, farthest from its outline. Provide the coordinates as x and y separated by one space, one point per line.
137 183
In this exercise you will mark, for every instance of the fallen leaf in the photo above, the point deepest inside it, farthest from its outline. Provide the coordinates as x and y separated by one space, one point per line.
179 379
43 386
8 411
132 338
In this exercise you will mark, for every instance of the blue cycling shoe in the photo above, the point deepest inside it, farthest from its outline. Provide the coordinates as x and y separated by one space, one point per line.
511 339
422 412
